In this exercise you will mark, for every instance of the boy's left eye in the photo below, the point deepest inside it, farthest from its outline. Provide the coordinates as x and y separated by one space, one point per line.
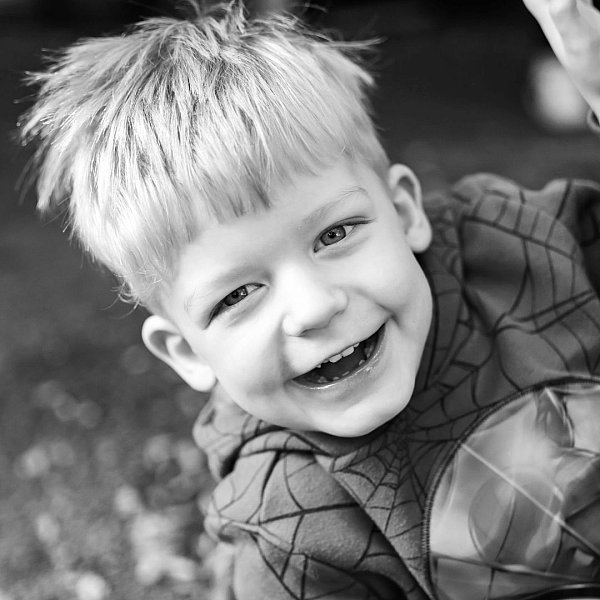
335 234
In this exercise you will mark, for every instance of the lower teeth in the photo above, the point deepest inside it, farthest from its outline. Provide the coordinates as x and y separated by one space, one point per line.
368 350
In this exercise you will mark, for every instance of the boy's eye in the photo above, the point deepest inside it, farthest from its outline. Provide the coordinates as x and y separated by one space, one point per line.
335 234
234 298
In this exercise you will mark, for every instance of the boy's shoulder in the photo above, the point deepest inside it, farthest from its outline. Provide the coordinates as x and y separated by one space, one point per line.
555 197
496 201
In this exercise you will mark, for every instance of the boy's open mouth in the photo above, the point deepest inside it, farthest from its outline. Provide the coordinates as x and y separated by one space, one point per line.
342 365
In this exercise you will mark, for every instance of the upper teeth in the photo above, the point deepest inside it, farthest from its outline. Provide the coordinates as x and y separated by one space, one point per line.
347 352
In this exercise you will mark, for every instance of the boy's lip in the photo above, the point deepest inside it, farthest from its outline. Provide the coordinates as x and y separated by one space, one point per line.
367 366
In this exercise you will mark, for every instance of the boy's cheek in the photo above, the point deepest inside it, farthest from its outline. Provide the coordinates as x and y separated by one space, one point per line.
242 365
396 279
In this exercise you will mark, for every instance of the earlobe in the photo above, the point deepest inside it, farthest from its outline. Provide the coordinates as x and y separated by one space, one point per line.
166 342
407 198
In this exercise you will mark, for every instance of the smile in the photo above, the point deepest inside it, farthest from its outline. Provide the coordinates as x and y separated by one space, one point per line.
342 365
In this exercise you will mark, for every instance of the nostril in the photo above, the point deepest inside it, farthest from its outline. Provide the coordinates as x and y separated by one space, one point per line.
310 299
310 313
291 327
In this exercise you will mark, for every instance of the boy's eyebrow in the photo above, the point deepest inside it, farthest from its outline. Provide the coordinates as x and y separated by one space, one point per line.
220 279
343 196
240 270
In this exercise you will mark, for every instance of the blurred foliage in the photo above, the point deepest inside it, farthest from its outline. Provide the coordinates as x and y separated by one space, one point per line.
100 480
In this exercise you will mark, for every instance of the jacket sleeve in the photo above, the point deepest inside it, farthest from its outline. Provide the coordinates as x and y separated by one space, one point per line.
298 534
262 570
573 206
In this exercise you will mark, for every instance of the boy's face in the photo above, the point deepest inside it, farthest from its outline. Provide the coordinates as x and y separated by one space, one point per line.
327 276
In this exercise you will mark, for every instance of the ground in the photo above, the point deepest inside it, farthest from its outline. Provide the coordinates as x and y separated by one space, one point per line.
99 480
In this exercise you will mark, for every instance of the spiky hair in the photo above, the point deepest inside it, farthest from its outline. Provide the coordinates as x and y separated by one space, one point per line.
145 135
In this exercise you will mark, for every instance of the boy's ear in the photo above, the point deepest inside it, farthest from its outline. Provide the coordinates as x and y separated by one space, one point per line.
406 195
165 341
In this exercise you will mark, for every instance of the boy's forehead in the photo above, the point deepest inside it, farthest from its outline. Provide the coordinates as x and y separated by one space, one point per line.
303 203
304 198
303 189
297 210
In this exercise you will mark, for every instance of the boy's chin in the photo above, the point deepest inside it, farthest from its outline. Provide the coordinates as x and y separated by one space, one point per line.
357 424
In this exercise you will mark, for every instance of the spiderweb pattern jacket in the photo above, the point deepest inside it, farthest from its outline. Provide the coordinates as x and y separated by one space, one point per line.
515 276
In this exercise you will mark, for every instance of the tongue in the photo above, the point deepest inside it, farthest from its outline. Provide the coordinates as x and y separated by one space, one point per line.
345 364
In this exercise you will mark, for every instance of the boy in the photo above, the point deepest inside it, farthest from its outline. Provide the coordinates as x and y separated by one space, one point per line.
351 337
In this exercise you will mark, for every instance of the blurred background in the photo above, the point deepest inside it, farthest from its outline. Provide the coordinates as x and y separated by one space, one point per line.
100 483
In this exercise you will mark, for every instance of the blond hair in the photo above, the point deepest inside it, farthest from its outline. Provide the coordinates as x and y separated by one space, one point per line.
141 133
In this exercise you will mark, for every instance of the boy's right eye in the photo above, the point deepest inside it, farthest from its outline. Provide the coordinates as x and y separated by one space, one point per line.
234 298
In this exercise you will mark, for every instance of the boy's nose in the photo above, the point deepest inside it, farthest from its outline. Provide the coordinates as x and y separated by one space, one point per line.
311 303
